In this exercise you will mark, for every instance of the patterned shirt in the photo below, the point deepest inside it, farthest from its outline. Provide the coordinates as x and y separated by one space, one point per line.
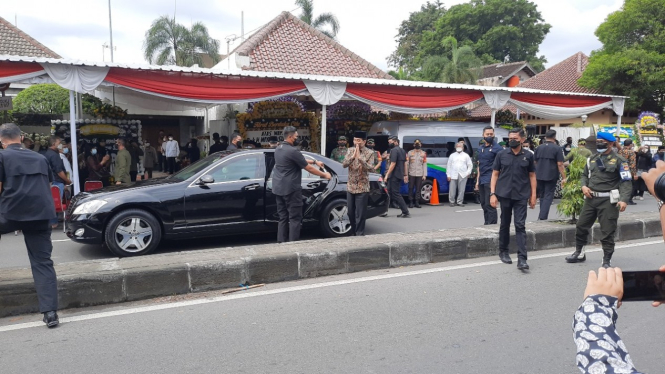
416 161
629 155
338 154
376 160
599 347
358 170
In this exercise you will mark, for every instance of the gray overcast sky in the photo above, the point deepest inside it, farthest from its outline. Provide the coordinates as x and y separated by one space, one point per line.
78 28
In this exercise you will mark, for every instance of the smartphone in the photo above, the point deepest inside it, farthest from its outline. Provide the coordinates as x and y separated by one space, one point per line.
643 285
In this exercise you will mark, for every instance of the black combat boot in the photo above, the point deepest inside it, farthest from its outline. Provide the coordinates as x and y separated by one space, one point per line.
577 256
606 260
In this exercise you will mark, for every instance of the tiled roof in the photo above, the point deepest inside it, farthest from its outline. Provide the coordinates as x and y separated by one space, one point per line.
505 70
562 76
288 45
15 42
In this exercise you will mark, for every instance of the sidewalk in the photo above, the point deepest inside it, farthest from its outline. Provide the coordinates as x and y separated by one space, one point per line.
89 283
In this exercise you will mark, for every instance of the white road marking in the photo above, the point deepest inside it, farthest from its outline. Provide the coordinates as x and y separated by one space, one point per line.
180 304
61 240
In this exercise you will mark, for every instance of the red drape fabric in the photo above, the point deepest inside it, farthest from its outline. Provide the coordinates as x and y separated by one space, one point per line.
414 97
11 68
202 87
562 101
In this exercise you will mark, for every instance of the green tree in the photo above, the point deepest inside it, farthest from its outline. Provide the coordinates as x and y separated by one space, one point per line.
492 28
410 33
572 198
631 61
461 67
170 43
324 19
49 99
400 74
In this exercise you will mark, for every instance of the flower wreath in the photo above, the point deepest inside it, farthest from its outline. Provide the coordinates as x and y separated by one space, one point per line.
272 115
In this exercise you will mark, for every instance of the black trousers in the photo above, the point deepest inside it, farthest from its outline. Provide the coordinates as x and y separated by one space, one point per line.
160 162
489 212
639 187
395 195
132 175
170 164
289 209
37 236
547 189
415 185
357 210
149 172
508 207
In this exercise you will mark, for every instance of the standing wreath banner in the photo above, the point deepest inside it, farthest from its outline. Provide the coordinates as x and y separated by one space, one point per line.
268 118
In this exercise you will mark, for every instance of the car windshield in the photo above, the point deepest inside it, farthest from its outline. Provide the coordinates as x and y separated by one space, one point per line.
196 167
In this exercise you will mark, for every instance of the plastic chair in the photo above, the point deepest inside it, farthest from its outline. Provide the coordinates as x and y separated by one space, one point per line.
60 206
92 185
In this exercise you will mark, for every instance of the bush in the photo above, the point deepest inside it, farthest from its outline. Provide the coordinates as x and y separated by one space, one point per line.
572 198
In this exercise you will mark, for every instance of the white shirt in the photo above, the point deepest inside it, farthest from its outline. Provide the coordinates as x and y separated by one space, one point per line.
68 166
459 165
171 148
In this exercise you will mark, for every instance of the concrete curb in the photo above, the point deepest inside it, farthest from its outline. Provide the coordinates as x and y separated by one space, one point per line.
90 283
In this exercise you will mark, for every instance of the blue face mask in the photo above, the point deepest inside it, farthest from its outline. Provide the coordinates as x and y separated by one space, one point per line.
65 151
94 152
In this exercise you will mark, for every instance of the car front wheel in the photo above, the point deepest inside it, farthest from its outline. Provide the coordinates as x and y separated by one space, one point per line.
335 220
426 191
133 232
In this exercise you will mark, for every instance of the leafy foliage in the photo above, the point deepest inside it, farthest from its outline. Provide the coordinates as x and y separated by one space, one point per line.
572 198
493 29
632 59
50 99
170 43
324 19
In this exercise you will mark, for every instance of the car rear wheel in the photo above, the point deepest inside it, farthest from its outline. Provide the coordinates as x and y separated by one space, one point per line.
335 220
426 191
133 232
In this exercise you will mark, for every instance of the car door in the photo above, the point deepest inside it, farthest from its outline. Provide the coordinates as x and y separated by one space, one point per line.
233 200
314 190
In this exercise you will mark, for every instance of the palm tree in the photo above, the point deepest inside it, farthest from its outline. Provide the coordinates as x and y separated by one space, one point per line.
462 67
400 74
170 43
319 22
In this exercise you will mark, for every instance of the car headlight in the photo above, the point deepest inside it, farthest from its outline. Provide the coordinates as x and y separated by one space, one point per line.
89 207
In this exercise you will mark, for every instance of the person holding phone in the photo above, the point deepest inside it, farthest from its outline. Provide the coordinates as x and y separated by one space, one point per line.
599 346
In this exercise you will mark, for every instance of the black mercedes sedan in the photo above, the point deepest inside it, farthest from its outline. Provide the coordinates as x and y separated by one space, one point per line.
226 193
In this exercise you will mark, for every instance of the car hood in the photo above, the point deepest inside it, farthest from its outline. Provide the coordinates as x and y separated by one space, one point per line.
138 185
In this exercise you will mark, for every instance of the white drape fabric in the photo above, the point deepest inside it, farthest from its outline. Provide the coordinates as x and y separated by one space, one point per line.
402 109
496 99
82 79
20 77
326 93
553 112
618 104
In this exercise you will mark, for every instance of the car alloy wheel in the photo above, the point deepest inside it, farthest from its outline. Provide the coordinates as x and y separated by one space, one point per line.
426 192
338 220
133 235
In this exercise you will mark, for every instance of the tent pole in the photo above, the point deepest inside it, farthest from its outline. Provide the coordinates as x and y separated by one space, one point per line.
618 126
323 131
74 143
493 117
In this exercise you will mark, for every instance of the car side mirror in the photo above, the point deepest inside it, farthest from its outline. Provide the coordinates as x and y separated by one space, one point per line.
206 179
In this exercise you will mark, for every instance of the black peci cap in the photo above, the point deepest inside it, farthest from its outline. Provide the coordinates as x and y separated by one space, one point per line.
360 135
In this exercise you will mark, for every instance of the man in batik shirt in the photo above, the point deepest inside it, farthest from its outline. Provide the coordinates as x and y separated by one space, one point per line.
358 160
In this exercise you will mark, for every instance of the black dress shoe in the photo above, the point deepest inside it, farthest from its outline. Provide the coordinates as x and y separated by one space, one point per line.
51 319
403 215
418 206
522 265
410 205
631 202
606 263
505 258
576 256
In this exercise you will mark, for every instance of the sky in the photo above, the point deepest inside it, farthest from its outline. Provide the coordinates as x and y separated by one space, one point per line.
78 29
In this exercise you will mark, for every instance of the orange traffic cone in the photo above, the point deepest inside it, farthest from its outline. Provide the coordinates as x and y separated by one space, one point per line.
434 199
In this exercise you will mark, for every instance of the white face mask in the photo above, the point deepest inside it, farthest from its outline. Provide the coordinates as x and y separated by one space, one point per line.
59 146
525 147
170 138
459 149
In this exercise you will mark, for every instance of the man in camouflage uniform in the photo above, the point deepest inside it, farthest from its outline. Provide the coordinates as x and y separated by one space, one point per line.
581 150
339 153
376 157
628 153
604 172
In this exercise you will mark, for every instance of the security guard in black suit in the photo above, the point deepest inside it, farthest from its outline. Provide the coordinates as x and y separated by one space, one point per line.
26 205
606 173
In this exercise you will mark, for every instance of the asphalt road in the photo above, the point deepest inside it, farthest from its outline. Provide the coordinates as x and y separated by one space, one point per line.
13 252
469 316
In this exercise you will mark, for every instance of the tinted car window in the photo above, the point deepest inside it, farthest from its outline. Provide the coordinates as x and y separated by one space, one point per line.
239 168
435 146
196 167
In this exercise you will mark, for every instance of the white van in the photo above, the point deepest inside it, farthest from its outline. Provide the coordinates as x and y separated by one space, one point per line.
438 139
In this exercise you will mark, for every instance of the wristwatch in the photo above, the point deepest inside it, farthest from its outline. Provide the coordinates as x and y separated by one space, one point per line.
492 194
660 205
